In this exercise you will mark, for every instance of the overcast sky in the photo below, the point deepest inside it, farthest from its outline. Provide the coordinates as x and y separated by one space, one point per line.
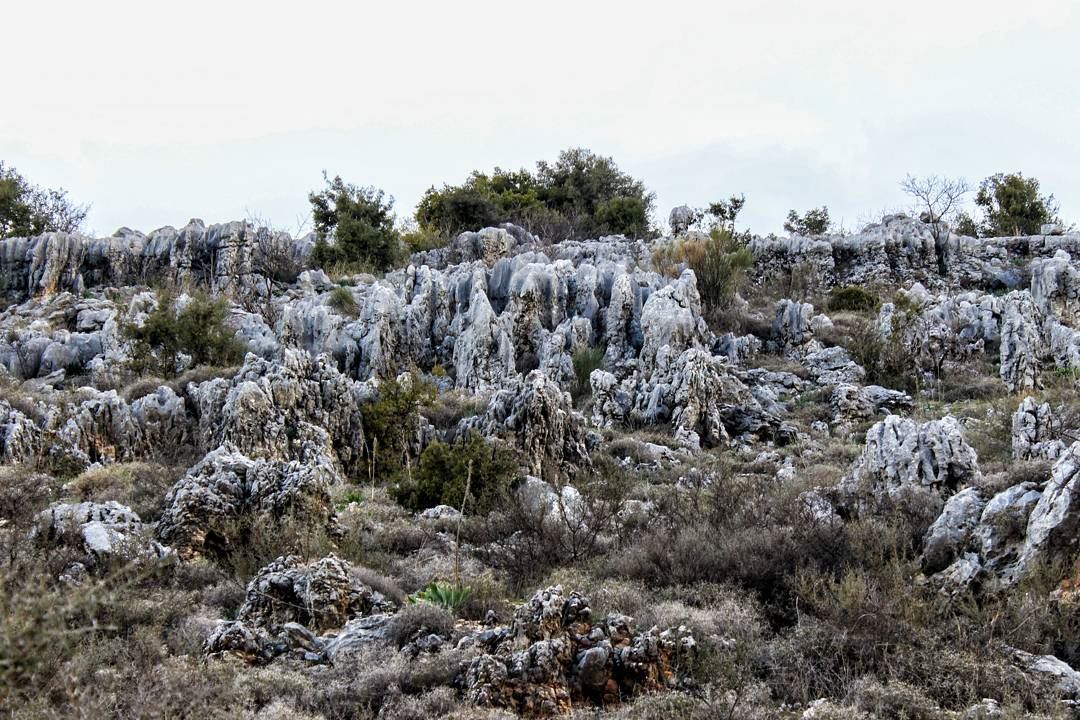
224 110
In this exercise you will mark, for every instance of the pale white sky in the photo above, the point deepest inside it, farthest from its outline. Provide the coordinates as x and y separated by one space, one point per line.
221 110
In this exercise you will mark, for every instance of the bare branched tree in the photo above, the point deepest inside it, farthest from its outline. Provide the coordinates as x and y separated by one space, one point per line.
273 262
935 198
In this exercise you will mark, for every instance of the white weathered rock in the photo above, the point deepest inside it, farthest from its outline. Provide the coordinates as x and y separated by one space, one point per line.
205 508
1052 529
1034 432
1020 342
949 535
902 454
541 417
107 530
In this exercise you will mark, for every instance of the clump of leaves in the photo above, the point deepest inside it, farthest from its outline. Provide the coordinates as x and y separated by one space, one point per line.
585 360
447 595
390 424
360 221
853 298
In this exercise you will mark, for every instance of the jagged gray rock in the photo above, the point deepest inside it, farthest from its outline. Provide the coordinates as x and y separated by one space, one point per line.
321 596
902 455
1034 431
851 403
1020 342
546 428
1054 521
207 507
106 530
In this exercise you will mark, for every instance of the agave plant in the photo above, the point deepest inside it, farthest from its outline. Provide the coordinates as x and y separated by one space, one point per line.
448 595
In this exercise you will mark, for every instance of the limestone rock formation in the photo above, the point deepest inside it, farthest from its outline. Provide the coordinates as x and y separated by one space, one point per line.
106 530
1052 528
555 657
902 455
1034 432
852 403
1020 342
207 507
323 595
541 417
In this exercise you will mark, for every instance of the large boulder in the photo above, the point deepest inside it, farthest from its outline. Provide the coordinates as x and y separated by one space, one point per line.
207 508
322 595
902 455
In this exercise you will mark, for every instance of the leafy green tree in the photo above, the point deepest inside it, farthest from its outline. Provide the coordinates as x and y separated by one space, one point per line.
27 210
197 329
580 182
580 195
965 224
390 424
1013 205
725 212
815 221
361 222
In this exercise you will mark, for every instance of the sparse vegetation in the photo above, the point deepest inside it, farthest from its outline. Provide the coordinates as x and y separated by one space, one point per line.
181 334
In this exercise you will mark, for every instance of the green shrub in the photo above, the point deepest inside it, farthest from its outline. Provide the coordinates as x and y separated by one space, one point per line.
1013 205
815 221
445 469
197 330
448 596
342 300
720 263
420 617
852 298
27 210
361 222
390 424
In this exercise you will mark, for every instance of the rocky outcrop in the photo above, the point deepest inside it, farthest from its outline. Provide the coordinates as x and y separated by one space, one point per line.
697 392
323 595
948 537
792 333
104 530
1016 530
902 455
671 318
298 406
207 508
1020 342
217 256
1034 432
556 656
852 403
1052 528
544 425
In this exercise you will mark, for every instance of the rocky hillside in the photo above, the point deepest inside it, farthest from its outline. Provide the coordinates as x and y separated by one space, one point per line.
530 478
